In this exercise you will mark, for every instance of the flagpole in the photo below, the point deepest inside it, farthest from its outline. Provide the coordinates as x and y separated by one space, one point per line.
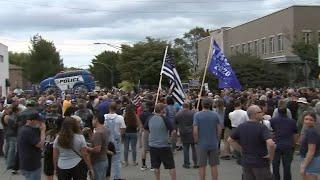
159 86
204 74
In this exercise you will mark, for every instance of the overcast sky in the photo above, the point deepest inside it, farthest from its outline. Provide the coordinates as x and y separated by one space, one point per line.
74 25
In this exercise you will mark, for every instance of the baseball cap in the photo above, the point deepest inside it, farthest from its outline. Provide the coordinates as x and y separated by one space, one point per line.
302 100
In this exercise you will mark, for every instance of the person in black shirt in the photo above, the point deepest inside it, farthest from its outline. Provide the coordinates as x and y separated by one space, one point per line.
285 137
30 143
310 148
252 139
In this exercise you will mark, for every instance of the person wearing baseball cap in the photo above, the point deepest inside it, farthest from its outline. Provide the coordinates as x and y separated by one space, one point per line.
30 143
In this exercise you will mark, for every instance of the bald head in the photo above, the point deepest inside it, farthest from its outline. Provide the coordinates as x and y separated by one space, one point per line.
254 113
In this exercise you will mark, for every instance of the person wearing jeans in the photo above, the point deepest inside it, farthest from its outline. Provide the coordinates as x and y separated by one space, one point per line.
184 120
131 134
98 150
116 126
285 137
286 156
130 139
30 144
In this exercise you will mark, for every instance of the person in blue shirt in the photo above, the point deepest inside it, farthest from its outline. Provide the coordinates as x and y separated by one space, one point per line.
206 133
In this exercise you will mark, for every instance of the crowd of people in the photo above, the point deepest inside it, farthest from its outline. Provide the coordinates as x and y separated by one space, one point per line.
82 136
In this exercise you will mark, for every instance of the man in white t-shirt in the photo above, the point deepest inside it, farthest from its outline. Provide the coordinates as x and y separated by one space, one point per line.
116 126
238 116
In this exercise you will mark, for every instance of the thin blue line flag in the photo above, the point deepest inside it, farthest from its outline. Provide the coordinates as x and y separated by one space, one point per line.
220 67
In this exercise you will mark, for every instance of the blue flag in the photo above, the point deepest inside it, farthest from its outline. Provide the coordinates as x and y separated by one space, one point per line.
220 67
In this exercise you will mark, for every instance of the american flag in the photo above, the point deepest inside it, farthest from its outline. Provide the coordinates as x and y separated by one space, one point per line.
170 71
136 100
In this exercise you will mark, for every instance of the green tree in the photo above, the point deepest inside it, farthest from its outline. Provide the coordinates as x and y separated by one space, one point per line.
143 61
104 68
254 72
189 43
44 60
308 53
19 59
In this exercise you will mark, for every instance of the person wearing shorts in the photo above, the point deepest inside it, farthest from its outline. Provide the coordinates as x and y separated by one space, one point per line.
310 148
160 150
206 133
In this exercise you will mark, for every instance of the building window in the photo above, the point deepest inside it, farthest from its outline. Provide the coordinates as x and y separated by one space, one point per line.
231 50
256 48
271 44
306 37
280 42
243 48
249 48
263 46
318 36
1 59
237 49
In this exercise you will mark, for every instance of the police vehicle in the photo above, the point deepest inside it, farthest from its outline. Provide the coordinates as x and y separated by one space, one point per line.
78 81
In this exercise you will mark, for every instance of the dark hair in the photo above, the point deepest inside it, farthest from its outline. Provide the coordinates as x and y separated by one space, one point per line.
70 111
220 104
237 103
282 112
170 100
130 117
97 115
309 113
70 126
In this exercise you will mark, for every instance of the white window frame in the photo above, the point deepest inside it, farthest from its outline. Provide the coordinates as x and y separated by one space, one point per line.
263 46
280 46
306 40
249 48
243 48
256 47
231 50
272 47
237 48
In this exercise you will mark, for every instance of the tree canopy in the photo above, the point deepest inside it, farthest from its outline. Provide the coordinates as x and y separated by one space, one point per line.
255 72
104 68
44 59
143 61
309 54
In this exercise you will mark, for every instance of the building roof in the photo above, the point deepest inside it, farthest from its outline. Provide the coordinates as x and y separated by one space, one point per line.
285 9
15 67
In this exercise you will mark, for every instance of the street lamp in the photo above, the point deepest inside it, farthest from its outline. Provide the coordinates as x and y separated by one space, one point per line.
109 68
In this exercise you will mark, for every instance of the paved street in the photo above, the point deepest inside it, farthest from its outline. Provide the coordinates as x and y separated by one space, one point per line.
228 170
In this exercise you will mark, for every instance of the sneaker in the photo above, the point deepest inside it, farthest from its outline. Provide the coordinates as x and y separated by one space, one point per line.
195 166
14 172
124 164
151 169
143 168
186 166
226 157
